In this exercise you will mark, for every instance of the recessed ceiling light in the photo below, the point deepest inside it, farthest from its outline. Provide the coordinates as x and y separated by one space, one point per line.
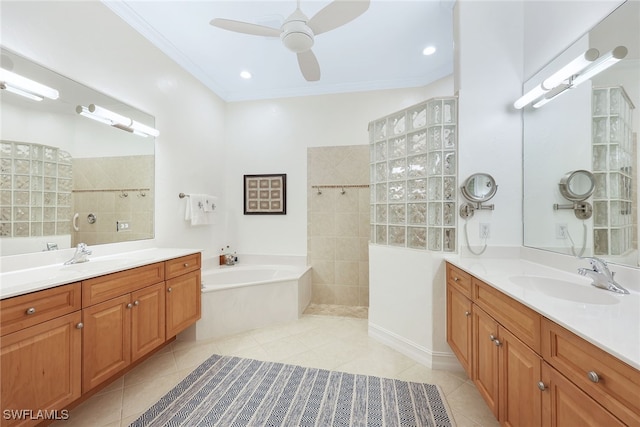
429 50
245 74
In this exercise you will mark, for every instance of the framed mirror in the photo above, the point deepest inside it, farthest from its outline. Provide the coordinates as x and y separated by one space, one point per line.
65 179
591 128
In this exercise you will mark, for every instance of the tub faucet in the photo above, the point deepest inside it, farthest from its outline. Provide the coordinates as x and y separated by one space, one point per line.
230 259
81 255
602 276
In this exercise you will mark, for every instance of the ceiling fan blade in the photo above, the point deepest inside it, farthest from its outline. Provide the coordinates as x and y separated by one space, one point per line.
336 14
245 27
309 66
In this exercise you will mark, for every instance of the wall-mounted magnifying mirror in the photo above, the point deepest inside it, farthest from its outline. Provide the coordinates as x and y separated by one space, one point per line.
477 189
577 186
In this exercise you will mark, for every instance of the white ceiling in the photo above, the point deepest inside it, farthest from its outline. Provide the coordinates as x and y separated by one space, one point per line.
381 49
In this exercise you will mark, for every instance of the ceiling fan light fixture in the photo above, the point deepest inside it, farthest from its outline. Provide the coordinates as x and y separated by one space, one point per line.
297 36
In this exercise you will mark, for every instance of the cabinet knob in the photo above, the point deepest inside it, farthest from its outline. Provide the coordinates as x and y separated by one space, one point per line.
169 289
129 305
492 338
593 376
80 325
186 264
541 386
455 279
31 310
497 342
136 303
467 313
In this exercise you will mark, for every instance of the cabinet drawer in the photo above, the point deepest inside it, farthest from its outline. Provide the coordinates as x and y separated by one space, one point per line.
618 386
27 310
514 316
179 266
459 280
113 285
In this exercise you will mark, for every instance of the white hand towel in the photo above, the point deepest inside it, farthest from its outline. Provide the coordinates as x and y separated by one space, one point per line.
200 208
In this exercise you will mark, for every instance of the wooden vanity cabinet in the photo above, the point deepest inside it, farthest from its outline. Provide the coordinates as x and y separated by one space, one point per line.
41 368
183 293
459 327
120 330
59 343
533 372
40 351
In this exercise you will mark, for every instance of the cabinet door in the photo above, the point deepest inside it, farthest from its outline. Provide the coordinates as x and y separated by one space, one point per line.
107 340
183 302
41 366
147 320
566 405
459 327
520 398
485 361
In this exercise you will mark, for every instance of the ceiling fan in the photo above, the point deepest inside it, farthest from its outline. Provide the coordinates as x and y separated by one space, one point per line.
297 32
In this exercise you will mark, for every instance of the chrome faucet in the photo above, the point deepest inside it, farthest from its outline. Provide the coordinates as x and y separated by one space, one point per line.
602 276
81 255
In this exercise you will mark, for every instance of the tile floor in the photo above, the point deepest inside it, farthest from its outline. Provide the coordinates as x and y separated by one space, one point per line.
321 341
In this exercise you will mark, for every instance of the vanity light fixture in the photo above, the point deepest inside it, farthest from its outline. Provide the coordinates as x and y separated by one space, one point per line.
572 68
557 78
604 62
23 86
119 121
571 75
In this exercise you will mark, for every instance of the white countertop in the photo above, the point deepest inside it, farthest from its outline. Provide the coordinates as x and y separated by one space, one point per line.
613 326
19 282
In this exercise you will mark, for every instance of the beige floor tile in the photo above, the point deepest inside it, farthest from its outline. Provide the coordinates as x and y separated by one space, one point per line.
192 357
421 374
98 411
139 397
466 401
156 366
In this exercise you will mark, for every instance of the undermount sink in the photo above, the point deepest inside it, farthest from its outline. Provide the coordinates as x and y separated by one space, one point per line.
569 291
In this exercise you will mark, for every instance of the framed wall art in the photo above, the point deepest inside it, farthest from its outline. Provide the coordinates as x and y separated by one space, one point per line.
265 194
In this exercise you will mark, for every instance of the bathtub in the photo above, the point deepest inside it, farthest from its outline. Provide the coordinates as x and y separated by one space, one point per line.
243 297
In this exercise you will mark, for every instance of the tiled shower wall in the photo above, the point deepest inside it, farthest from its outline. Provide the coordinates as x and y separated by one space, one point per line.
113 189
338 224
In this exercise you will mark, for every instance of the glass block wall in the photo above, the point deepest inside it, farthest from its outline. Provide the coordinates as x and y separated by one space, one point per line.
613 157
413 174
35 190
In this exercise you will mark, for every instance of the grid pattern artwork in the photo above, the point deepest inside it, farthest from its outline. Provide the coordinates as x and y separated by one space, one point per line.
35 190
413 167
265 194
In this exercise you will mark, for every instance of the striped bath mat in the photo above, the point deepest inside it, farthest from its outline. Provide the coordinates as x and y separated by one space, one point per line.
231 391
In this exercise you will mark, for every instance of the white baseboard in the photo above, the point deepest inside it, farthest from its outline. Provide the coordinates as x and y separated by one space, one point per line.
422 355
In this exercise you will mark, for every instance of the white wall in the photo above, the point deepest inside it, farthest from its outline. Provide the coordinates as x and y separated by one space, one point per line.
90 44
272 136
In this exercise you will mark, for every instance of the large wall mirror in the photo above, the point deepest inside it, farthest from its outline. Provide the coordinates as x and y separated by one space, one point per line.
592 127
66 179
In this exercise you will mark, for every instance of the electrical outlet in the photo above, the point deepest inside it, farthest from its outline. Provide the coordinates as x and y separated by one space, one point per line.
561 231
122 226
485 230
